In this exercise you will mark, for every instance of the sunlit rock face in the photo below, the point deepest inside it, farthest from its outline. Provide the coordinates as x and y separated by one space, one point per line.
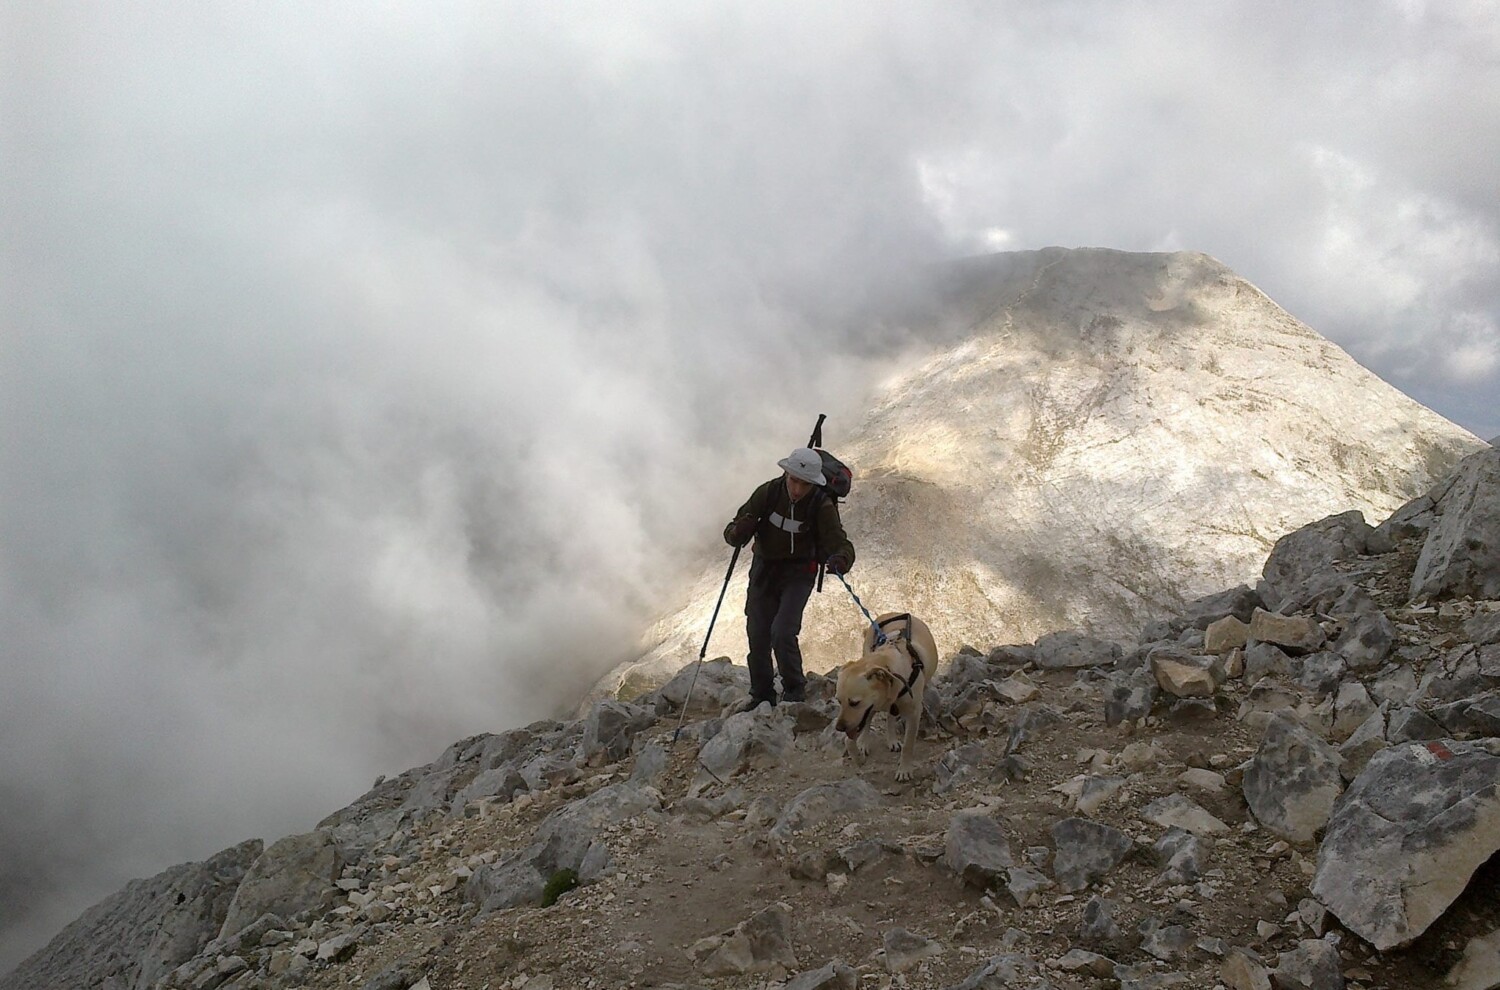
1111 434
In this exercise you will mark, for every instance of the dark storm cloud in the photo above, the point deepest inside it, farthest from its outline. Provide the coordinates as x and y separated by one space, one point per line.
370 374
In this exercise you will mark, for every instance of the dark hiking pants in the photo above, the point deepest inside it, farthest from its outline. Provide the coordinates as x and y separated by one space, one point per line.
773 612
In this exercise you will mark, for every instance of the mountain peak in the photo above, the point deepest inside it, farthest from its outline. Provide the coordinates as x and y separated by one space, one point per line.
1098 437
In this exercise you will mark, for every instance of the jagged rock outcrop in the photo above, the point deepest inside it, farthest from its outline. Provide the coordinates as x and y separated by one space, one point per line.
135 937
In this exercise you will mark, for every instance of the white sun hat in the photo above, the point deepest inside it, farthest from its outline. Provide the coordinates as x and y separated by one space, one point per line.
804 464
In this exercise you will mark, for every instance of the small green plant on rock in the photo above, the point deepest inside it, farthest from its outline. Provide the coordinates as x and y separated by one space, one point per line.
557 885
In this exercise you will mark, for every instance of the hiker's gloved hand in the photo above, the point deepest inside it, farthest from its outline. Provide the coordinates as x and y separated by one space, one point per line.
741 530
838 564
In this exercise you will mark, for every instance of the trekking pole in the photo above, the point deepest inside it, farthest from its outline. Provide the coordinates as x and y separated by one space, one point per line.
879 633
733 559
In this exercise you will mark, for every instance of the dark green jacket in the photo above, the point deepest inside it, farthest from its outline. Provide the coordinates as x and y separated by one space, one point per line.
785 531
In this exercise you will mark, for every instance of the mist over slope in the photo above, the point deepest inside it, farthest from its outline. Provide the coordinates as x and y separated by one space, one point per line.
1103 436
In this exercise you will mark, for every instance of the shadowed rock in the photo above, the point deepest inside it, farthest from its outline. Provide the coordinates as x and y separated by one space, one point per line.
1086 851
1413 828
1293 780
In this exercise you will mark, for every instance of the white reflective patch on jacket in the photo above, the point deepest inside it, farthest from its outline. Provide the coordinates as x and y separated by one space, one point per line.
792 526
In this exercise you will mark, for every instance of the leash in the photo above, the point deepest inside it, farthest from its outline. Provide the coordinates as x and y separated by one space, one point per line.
880 637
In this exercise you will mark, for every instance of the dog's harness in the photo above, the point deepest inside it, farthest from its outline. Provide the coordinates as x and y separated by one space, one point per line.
911 648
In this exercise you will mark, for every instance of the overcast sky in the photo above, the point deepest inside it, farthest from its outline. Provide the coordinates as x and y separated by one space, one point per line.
370 372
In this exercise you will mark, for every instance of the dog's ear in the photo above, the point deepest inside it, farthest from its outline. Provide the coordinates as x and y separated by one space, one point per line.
884 676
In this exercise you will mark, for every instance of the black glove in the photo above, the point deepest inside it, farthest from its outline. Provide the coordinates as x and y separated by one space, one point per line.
741 530
838 564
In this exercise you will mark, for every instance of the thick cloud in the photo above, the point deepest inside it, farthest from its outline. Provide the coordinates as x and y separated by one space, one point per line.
370 373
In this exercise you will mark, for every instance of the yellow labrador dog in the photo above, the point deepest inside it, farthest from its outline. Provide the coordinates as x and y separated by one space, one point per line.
889 678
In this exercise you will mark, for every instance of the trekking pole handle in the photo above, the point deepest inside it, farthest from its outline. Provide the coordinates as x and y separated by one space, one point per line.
816 440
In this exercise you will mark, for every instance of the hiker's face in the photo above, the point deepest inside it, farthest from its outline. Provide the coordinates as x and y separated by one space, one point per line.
797 488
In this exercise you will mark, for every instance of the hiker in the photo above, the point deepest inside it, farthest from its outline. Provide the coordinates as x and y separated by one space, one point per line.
795 525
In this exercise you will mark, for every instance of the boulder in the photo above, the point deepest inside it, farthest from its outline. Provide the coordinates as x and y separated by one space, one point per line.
1351 708
1070 649
1478 716
1366 641
1292 781
1086 851
976 848
1265 660
1129 696
1184 675
905 950
610 728
1312 965
1300 557
759 944
1411 831
1413 519
1238 603
1461 555
295 874
823 801
1319 673
834 976
1181 855
1226 634
753 738
719 682
1293 633
1479 969
1243 970
1366 740
1177 811
1411 725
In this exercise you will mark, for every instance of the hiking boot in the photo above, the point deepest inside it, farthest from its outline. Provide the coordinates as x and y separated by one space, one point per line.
795 694
750 704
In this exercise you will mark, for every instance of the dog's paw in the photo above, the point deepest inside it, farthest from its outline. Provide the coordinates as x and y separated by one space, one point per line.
903 774
895 745
863 748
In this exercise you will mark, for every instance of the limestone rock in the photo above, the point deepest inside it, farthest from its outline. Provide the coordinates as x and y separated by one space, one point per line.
153 925
1086 851
1408 835
1265 660
1129 696
1070 649
1351 708
1292 781
759 944
609 730
1293 633
976 848
1366 740
1242 970
1461 555
754 738
1181 855
822 801
1226 634
834 976
1312 965
1301 555
1186 676
1239 603
295 874
1177 811
1479 969
1367 641
904 950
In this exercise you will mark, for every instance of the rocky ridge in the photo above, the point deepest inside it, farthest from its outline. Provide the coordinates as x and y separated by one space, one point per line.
1291 785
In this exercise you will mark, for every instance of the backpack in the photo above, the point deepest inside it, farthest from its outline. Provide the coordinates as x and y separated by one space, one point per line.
839 479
